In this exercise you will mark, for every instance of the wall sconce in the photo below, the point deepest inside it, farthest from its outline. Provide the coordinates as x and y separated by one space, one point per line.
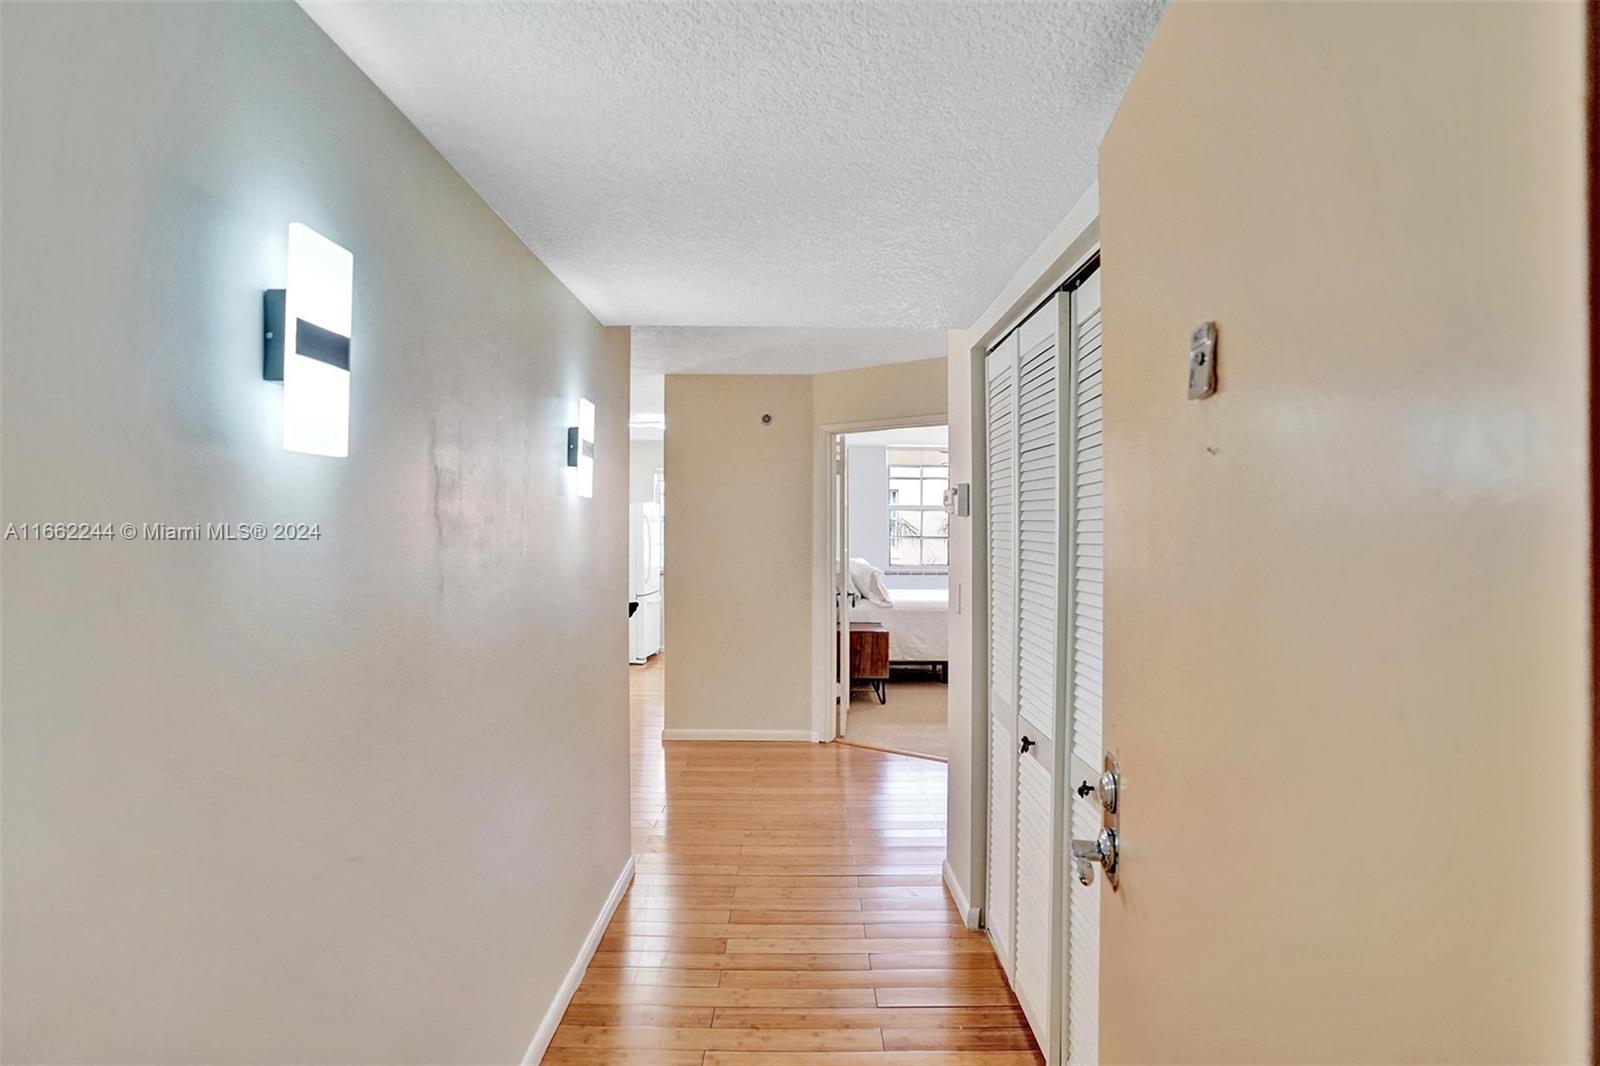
580 448
308 344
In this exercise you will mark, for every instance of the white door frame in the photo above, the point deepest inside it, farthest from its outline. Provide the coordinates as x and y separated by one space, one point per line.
843 600
823 718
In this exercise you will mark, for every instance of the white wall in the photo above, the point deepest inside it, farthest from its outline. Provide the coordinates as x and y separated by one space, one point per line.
869 503
289 802
645 457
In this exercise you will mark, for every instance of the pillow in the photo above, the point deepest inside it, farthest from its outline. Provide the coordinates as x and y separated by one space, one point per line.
868 580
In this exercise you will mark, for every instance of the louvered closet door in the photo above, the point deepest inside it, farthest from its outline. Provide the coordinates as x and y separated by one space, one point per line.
1087 594
1000 897
1039 547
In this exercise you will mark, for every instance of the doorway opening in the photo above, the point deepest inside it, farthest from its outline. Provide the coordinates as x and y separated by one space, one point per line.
891 571
646 545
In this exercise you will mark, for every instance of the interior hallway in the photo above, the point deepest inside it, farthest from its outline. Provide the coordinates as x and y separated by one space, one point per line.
787 910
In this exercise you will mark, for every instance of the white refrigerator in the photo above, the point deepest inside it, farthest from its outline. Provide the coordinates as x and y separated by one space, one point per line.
645 559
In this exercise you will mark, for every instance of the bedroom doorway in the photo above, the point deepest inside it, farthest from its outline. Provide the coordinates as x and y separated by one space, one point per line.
891 558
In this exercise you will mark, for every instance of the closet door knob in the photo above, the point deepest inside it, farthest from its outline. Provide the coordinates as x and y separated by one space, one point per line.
1028 742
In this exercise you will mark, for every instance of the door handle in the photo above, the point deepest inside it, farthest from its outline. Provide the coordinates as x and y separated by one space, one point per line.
1028 742
1087 853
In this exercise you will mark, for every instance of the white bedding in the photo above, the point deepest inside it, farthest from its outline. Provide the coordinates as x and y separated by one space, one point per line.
918 624
868 581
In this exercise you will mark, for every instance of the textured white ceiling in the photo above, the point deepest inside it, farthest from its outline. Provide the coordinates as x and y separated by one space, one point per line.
763 164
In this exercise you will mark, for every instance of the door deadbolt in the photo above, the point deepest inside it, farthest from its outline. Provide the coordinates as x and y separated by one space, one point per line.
1105 787
1110 781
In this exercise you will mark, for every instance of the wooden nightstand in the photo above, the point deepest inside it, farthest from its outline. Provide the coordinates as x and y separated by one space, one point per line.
869 656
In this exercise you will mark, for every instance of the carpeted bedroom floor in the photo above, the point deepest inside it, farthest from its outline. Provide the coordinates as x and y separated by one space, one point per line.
914 720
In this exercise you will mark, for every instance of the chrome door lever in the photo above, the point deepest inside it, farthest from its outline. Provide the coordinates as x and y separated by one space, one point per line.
1101 850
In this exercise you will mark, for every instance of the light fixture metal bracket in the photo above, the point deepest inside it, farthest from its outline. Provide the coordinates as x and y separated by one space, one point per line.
272 342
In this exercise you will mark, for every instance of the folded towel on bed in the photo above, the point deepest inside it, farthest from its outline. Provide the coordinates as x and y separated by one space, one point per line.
868 580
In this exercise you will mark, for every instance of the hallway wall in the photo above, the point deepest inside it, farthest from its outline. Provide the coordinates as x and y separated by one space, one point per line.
289 802
738 562
743 501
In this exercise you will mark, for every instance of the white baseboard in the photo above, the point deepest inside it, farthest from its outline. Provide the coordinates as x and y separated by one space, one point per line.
569 986
969 913
738 734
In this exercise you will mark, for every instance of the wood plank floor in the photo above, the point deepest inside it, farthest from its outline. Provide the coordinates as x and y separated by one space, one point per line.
787 911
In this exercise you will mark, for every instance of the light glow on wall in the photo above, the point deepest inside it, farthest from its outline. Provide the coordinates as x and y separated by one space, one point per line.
316 345
580 449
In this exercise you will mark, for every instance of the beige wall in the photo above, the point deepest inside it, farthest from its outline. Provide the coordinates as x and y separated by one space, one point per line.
738 559
896 391
743 503
1347 596
289 802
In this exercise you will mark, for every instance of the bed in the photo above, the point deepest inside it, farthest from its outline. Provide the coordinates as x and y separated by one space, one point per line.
918 624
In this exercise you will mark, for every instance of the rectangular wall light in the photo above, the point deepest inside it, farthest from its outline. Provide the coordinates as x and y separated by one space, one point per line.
308 344
580 448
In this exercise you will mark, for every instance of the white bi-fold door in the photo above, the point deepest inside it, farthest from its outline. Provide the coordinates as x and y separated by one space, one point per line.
1040 519
1024 427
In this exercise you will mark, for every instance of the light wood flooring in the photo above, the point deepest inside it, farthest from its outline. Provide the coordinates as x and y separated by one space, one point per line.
788 911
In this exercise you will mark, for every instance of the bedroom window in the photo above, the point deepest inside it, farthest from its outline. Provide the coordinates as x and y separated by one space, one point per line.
919 530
